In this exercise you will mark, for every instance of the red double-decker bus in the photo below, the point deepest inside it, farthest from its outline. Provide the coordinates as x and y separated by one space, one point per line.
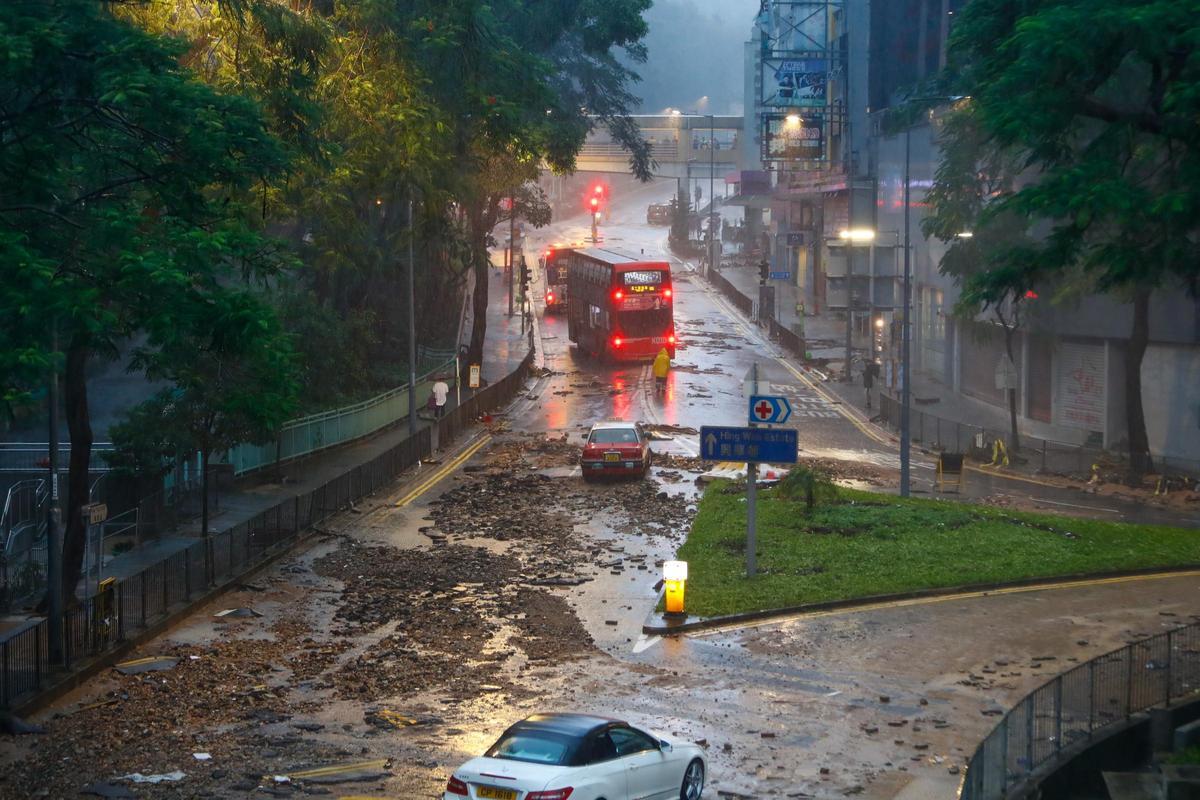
554 263
619 306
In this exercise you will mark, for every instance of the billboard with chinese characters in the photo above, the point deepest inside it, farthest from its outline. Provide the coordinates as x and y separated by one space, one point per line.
793 137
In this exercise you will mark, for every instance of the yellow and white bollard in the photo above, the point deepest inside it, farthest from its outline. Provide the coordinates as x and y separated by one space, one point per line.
675 579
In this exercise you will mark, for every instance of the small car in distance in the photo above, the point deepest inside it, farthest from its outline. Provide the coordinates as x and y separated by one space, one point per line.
580 757
658 214
615 447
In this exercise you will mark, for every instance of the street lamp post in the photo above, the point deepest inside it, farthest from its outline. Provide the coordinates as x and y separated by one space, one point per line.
905 432
906 325
712 200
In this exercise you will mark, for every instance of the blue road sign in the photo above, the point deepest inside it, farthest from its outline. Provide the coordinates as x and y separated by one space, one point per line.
768 409
781 276
770 445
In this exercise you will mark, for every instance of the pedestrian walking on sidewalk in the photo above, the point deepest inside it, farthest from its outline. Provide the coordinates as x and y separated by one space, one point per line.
869 372
440 392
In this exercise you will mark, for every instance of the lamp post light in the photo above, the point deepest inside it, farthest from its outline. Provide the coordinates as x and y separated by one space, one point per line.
712 199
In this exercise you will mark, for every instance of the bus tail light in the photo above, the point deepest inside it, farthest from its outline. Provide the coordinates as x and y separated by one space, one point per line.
549 297
455 786
671 338
616 341
618 294
666 292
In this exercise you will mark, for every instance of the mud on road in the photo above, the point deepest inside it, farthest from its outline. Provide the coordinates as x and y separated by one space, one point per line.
365 653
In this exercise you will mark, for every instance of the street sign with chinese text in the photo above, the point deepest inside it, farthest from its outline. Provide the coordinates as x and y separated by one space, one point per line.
769 409
756 445
473 379
781 276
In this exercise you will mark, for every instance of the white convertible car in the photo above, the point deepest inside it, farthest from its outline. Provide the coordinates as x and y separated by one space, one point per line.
580 757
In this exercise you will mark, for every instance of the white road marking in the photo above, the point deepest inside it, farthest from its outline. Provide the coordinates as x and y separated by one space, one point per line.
645 642
1075 505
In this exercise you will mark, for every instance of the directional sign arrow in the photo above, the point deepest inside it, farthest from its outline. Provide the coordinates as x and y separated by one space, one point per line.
785 410
710 444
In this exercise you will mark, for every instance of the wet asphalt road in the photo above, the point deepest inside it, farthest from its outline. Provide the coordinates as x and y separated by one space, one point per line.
883 702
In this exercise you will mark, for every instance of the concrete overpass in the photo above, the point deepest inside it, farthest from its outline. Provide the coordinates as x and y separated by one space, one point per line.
681 146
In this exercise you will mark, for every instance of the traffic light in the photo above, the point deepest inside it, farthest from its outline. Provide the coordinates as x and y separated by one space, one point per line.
764 272
595 203
524 277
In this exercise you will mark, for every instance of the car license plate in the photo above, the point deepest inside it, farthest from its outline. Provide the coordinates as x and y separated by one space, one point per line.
495 793
612 456
660 340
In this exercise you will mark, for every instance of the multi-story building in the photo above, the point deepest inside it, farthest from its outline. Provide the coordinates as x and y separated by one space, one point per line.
823 72
1069 356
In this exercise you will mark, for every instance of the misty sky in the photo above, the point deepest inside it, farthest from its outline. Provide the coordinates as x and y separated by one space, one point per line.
695 49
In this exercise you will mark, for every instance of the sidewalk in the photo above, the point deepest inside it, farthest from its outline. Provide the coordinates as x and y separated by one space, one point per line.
826 339
505 348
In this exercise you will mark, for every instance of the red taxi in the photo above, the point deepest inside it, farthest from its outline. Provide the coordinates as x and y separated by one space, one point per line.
615 447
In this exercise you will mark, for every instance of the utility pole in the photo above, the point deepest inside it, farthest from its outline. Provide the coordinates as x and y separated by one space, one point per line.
905 437
512 234
712 198
54 550
412 324
752 498
849 308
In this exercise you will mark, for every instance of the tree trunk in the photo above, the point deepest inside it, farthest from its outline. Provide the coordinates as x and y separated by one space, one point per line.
204 492
479 229
1135 418
1014 445
79 427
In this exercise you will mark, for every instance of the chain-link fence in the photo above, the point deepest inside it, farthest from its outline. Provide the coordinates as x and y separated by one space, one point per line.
1081 706
938 433
121 608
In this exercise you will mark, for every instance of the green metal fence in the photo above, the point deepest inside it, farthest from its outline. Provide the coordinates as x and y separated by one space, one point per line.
307 435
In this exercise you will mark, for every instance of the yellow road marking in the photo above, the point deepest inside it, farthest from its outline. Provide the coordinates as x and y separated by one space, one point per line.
452 465
1010 477
137 661
943 598
337 769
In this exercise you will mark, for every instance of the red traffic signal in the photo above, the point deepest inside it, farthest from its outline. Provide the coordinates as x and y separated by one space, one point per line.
598 189
595 202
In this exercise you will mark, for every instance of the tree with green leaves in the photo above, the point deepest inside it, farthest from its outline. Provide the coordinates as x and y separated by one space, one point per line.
232 377
522 85
1097 103
129 194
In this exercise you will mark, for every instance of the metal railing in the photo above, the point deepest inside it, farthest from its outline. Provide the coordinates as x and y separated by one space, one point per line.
35 456
100 622
1082 706
939 433
306 435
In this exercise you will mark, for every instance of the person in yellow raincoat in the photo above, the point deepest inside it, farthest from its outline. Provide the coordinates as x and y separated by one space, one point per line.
662 365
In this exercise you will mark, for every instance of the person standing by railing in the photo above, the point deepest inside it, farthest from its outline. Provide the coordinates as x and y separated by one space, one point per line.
440 392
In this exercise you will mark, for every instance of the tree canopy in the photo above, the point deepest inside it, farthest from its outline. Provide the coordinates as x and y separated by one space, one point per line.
1076 156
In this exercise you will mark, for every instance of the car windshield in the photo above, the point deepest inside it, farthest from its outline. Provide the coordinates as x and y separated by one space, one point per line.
538 747
614 436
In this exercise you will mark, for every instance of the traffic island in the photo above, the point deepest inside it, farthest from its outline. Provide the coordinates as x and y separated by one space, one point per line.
855 548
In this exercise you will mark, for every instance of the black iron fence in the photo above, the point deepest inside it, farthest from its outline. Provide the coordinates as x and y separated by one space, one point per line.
938 433
1082 706
121 608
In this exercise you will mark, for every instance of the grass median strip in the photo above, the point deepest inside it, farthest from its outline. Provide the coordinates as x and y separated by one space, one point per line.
858 544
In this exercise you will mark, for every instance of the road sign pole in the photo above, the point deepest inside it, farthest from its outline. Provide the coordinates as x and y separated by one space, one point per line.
751 516
751 499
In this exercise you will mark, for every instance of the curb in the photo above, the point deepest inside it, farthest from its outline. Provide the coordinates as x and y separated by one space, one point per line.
658 624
